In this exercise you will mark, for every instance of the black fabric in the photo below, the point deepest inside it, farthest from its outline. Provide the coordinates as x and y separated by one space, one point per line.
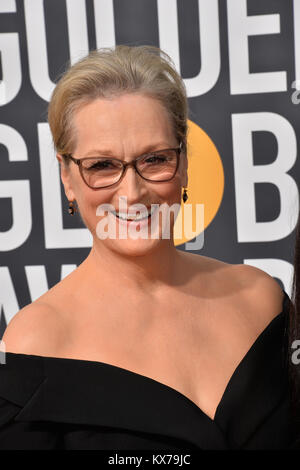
58 403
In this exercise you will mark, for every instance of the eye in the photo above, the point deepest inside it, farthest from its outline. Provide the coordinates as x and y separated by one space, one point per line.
101 165
98 164
156 159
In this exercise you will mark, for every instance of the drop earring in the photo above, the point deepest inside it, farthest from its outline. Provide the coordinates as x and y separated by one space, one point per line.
72 208
184 196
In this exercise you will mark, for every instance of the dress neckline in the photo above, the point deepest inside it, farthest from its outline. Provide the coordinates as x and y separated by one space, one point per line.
167 388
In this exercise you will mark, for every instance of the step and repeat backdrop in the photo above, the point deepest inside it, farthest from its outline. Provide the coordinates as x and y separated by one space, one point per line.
240 61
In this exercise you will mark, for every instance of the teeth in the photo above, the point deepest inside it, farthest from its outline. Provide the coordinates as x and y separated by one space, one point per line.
132 217
144 215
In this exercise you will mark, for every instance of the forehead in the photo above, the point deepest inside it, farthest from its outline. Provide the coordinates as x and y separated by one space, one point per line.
122 123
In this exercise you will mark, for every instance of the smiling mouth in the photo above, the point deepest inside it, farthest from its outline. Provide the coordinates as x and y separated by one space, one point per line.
134 218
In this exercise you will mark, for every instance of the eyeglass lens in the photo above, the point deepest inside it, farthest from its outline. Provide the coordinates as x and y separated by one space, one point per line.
103 171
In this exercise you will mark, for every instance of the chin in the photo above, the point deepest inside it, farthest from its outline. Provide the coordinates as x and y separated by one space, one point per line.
134 241
133 248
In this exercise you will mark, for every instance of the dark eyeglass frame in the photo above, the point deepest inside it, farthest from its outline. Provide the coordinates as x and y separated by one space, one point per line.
125 165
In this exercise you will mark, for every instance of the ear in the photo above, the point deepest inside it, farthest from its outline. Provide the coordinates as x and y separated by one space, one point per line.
185 170
66 178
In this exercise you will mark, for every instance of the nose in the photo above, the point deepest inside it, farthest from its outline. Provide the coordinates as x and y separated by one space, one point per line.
132 185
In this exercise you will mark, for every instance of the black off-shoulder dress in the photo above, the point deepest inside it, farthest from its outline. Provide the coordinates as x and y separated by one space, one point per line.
59 403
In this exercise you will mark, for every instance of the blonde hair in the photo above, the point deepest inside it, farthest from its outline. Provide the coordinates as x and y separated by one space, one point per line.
109 72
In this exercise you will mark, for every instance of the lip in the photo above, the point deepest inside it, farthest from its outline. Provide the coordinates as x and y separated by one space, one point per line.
137 212
142 222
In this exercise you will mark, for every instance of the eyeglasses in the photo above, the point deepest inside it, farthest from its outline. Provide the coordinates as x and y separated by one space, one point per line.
102 172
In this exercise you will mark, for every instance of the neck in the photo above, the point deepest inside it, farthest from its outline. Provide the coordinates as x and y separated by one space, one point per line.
146 273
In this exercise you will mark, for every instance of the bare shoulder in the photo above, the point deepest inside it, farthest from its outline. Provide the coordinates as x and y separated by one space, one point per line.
259 291
246 288
36 329
256 281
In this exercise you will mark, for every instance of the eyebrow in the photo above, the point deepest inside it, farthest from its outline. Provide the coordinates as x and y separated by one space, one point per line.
148 148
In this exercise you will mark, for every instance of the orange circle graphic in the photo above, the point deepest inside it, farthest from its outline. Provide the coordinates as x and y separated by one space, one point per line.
205 186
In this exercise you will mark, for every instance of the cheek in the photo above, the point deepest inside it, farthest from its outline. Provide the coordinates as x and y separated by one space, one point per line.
89 200
172 191
89 203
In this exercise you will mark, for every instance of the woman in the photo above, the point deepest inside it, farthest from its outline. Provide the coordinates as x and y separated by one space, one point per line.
143 346
293 341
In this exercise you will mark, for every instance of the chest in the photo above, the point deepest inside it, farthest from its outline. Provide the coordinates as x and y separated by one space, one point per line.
189 346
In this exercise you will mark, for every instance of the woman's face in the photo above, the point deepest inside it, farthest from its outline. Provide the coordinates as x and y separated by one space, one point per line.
124 127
